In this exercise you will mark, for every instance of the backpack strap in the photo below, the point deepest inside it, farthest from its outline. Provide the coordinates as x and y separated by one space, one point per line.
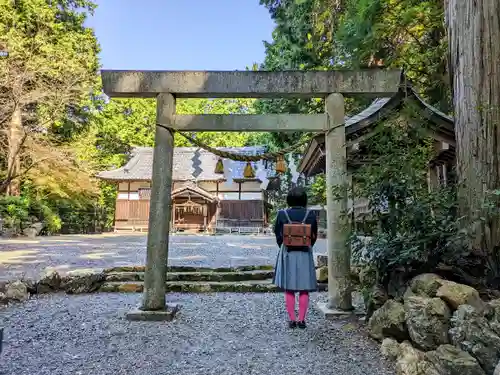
287 217
305 217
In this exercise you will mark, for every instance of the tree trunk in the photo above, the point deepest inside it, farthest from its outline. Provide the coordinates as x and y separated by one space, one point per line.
474 34
15 140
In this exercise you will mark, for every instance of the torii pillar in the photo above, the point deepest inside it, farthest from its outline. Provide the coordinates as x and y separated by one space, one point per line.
339 301
167 85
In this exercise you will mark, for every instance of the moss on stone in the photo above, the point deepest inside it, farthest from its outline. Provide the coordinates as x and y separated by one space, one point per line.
125 269
108 288
125 276
191 269
130 287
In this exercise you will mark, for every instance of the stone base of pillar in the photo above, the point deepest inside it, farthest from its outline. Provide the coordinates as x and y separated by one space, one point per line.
331 314
166 315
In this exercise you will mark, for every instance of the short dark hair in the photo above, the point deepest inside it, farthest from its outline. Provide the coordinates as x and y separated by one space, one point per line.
297 197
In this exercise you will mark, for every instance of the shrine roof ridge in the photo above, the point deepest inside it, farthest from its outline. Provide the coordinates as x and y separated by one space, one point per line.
140 165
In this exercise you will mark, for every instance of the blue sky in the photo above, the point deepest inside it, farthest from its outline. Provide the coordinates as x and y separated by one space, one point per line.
181 34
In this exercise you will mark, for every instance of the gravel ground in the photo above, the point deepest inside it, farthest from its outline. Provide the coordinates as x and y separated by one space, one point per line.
25 258
213 334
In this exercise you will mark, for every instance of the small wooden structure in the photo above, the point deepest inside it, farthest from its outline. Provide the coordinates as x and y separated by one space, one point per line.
360 127
201 199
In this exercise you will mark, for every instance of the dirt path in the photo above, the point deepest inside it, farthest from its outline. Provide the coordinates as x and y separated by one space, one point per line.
27 258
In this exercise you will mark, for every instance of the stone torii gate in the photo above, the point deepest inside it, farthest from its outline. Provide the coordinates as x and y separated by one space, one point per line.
166 86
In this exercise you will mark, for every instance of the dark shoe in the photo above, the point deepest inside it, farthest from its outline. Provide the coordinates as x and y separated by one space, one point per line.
301 324
292 324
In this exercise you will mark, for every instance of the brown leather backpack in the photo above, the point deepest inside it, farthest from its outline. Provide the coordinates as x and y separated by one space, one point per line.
297 234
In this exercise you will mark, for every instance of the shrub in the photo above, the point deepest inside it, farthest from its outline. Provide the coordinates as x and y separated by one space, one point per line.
418 229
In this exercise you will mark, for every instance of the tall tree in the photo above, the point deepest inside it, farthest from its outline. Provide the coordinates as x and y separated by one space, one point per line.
51 66
405 34
474 56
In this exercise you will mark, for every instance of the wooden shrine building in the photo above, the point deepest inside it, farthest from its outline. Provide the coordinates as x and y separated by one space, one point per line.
360 127
202 200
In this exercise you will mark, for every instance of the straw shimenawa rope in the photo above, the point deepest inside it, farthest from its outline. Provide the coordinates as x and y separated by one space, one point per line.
241 157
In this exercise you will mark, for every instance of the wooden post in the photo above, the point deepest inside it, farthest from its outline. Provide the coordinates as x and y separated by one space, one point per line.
172 219
160 211
339 256
432 178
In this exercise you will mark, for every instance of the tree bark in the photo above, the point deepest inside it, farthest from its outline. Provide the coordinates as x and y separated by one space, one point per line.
474 61
15 139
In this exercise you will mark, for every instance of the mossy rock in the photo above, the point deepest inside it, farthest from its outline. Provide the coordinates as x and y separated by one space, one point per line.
192 287
198 287
125 276
125 269
194 276
220 287
191 269
220 276
108 288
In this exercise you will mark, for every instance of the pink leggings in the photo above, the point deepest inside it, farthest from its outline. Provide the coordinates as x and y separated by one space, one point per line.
303 304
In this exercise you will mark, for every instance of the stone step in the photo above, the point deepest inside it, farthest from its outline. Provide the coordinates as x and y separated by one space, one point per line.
195 276
191 269
255 286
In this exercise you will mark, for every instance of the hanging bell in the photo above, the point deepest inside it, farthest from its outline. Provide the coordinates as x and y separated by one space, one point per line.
280 164
219 167
249 172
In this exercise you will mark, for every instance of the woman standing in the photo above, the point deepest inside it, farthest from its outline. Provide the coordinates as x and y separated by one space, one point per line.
294 271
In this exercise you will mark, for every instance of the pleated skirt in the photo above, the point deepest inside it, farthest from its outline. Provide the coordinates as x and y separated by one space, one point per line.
295 271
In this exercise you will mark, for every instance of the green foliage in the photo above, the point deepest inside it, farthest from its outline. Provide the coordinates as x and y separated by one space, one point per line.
51 67
317 190
19 212
14 211
405 34
418 228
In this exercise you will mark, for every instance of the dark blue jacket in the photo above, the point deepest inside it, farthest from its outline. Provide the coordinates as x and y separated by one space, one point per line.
296 216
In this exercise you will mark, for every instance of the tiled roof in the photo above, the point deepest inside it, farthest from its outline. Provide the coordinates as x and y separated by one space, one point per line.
313 162
139 167
376 105
196 190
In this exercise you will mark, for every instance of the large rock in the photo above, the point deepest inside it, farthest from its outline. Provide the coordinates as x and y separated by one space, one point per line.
367 276
3 299
30 232
425 285
32 286
493 315
375 300
322 274
390 348
459 294
38 226
3 286
412 361
17 291
471 332
33 230
427 320
397 284
50 281
497 370
388 321
82 282
449 360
